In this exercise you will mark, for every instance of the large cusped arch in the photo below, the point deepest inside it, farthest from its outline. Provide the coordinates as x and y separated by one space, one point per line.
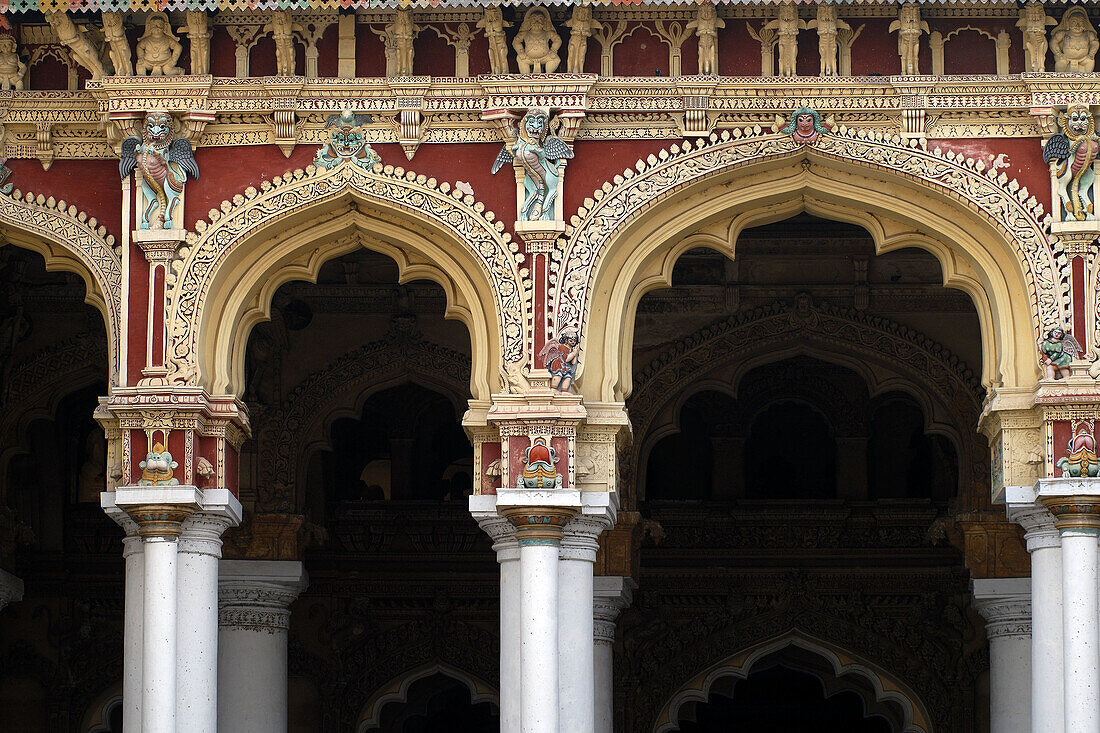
988 235
232 265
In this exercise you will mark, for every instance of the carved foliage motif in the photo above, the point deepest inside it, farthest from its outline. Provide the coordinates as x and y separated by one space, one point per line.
637 191
393 190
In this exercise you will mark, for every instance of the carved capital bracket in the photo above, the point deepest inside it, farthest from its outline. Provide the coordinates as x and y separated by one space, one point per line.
194 124
410 122
697 119
43 147
159 245
284 92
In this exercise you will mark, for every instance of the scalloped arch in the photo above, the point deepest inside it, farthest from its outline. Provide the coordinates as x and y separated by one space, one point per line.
70 240
227 273
398 690
989 234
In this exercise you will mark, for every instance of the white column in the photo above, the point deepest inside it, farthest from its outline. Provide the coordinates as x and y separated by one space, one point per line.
200 548
11 589
1005 603
254 618
576 558
133 554
1045 546
483 509
611 594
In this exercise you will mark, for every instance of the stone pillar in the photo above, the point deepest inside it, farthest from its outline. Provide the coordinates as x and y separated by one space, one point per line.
580 541
11 589
611 594
200 548
483 509
1075 504
1005 603
1045 546
254 598
133 555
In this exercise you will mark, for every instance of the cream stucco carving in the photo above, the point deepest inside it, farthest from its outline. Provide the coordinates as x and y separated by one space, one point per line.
1074 42
581 26
909 27
706 25
158 49
537 43
1033 24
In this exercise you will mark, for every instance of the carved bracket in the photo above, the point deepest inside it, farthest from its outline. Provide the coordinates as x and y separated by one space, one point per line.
410 122
697 119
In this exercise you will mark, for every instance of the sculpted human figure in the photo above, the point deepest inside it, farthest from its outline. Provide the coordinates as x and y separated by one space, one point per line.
12 68
282 27
80 47
540 154
493 24
1057 351
581 26
561 357
158 49
117 44
909 27
199 33
402 32
706 25
537 44
828 26
1074 43
786 27
1033 24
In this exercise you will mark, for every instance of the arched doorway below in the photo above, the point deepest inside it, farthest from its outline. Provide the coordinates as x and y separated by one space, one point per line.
435 703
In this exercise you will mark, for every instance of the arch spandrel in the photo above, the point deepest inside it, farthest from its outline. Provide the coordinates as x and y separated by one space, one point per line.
233 263
988 234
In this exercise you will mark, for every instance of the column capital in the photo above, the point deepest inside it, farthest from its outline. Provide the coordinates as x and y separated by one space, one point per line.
255 595
1022 508
539 515
1074 502
11 589
581 536
483 508
1005 604
610 595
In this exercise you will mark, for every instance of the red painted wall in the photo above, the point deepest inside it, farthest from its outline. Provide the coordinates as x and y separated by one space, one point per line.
640 53
1025 156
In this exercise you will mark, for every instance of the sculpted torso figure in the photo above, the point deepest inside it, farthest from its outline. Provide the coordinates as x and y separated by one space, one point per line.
117 45
402 33
581 26
706 25
158 50
494 24
828 28
909 27
1033 24
788 27
12 69
537 44
282 32
1074 42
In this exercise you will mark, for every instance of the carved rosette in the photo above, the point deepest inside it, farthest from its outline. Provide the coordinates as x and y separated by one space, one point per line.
255 606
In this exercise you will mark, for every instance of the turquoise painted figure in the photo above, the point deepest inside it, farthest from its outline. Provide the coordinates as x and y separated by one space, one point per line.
347 141
165 162
540 154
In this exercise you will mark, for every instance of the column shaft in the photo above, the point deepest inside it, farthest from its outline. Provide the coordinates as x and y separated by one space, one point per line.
1047 683
1081 629
576 682
158 657
539 641
133 553
1006 605
611 594
511 599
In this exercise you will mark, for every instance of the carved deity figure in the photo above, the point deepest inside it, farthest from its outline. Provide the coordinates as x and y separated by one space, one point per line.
347 141
537 43
581 25
493 24
1080 461
199 33
282 27
540 154
539 467
1033 24
118 46
12 68
401 33
1070 155
158 468
1074 42
706 25
158 49
786 28
828 27
79 46
805 126
909 27
1057 351
165 162
561 357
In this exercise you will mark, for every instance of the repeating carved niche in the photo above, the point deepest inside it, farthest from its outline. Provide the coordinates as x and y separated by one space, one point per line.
960 181
403 196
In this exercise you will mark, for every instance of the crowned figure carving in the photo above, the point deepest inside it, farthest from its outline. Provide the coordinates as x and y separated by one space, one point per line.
159 48
493 23
12 68
158 468
581 26
539 154
1071 154
1074 42
537 43
1033 24
909 27
706 25
165 162
786 28
828 27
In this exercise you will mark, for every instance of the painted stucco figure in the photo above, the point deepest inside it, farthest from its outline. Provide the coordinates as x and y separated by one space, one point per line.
1057 351
12 68
165 162
706 25
537 44
158 49
805 126
1074 42
1033 24
786 28
347 141
158 468
828 27
909 27
493 23
561 357
539 471
540 154
1070 155
1080 461
581 26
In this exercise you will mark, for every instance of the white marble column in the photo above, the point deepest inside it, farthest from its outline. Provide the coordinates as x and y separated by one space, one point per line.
1045 546
483 509
576 558
1005 603
11 589
253 619
200 548
611 594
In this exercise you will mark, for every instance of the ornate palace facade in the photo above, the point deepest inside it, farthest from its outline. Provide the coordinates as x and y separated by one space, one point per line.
568 368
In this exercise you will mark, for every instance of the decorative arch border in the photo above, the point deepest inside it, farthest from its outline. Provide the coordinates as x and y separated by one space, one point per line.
361 372
866 337
69 239
1009 208
886 688
398 690
415 197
